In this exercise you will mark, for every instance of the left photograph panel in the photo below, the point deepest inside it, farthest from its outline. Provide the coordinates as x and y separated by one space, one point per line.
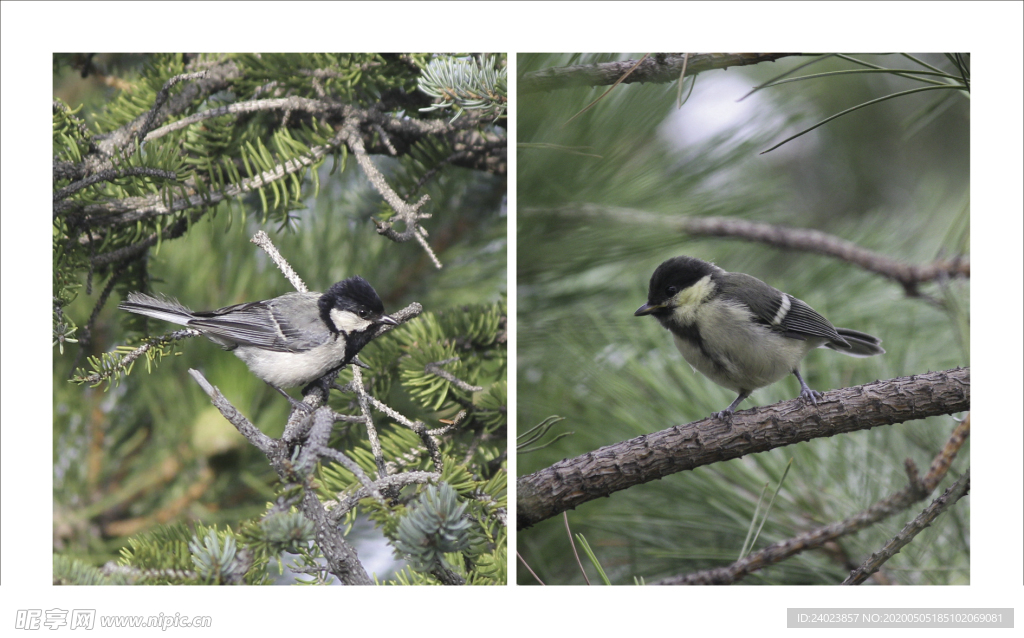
279 319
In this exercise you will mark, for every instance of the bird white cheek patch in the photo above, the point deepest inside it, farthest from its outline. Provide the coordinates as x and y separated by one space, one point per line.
687 301
347 321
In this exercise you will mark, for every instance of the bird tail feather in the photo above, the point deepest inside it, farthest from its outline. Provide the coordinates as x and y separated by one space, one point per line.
163 308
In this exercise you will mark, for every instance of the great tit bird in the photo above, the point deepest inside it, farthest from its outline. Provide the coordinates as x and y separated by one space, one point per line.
740 332
287 341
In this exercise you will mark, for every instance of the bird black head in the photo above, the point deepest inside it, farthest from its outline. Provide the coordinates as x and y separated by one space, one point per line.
671 277
354 295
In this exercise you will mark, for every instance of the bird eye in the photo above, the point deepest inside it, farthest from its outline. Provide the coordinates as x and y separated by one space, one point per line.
671 291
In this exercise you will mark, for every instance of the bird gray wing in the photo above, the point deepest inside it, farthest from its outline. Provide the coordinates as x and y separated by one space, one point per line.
798 322
290 323
298 318
805 320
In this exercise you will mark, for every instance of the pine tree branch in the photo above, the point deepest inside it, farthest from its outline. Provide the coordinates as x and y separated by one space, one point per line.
909 276
572 482
900 501
660 68
911 530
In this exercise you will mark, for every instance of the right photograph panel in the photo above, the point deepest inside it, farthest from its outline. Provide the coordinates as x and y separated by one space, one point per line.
743 313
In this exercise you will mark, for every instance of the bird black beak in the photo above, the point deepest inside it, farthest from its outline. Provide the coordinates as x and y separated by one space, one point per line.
647 309
388 320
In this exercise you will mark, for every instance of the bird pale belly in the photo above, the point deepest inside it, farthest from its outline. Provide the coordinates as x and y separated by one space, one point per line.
756 366
289 369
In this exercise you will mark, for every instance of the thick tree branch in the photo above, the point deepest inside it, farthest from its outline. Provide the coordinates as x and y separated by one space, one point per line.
572 482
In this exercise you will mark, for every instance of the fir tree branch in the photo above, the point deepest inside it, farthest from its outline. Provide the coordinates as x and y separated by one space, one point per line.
262 240
109 176
391 483
408 213
371 432
435 368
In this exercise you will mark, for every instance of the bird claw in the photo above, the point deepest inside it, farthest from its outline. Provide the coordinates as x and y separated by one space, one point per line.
301 406
356 362
808 394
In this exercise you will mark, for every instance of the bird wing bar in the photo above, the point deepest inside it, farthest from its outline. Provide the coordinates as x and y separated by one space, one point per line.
803 319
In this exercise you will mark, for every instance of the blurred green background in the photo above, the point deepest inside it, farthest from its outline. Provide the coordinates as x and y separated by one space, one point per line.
893 178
